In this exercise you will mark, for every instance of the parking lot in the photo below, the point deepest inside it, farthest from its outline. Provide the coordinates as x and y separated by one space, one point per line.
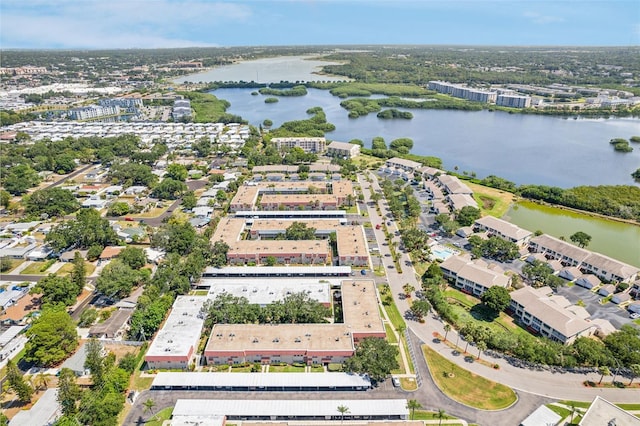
609 311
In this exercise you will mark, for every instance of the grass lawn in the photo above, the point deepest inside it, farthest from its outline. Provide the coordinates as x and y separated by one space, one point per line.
34 269
160 417
503 323
199 292
285 369
464 386
141 383
394 316
66 269
391 337
317 369
561 411
14 264
429 415
408 383
492 201
246 369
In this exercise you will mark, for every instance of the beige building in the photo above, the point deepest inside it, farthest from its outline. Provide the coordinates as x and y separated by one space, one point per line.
343 149
315 145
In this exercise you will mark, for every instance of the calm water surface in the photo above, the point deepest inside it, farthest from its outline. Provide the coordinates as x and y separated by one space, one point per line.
268 70
616 239
522 148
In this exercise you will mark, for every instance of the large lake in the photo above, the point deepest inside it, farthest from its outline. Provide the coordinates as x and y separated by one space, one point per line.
268 70
522 148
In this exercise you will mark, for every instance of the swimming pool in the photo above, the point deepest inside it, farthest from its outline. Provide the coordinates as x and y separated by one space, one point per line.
442 253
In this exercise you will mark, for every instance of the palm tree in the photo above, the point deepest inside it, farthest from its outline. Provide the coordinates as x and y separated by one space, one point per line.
413 405
342 409
148 405
447 328
441 415
572 406
604 370
41 381
635 372
469 339
482 346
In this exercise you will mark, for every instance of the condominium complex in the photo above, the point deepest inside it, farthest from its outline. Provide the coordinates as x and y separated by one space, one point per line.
93 111
459 91
513 101
315 145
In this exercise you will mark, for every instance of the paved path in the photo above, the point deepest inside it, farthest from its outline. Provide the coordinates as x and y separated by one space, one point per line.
543 383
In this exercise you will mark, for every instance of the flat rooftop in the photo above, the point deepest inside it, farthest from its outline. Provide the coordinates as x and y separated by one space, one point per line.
268 408
181 330
274 271
239 380
351 241
278 248
360 306
280 337
263 292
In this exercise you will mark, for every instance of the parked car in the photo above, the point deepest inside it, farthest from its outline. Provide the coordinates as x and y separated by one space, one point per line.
395 381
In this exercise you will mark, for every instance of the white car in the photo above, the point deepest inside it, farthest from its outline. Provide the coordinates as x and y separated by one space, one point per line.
634 315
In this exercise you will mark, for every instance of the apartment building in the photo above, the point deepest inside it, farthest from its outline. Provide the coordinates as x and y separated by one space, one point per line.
93 111
549 315
177 341
343 149
315 145
459 91
473 276
503 229
513 101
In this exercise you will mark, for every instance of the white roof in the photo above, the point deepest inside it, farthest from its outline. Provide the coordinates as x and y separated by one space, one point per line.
283 271
181 330
9 334
44 412
542 416
283 407
263 292
294 380
602 412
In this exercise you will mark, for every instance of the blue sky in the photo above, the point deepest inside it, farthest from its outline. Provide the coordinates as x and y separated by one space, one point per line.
93 24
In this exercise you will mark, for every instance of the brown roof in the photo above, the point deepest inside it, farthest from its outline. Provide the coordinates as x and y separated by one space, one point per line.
110 252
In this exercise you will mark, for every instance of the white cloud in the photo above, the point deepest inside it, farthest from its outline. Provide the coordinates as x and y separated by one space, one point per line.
538 18
116 23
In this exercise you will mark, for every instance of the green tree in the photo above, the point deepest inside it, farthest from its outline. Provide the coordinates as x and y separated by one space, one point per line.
117 279
219 254
51 202
604 371
128 362
169 189
636 175
375 357
189 200
342 409
52 338
68 392
95 361
413 405
78 274
88 317
134 257
129 174
119 208
18 384
408 289
148 405
5 264
175 237
202 147
5 198
18 179
496 298
537 272
177 172
378 143
580 238
55 289
299 231
467 215
482 346
635 372
440 415
87 229
270 261
447 329
420 308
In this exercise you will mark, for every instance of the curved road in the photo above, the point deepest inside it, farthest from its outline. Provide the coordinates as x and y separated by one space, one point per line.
543 383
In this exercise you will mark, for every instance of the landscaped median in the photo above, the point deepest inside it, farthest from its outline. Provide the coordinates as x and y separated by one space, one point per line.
466 387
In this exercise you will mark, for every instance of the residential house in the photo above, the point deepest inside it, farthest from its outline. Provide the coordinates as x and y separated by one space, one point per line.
606 290
503 229
473 277
588 281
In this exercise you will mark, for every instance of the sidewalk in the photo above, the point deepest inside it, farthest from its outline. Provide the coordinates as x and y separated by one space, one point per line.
545 383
